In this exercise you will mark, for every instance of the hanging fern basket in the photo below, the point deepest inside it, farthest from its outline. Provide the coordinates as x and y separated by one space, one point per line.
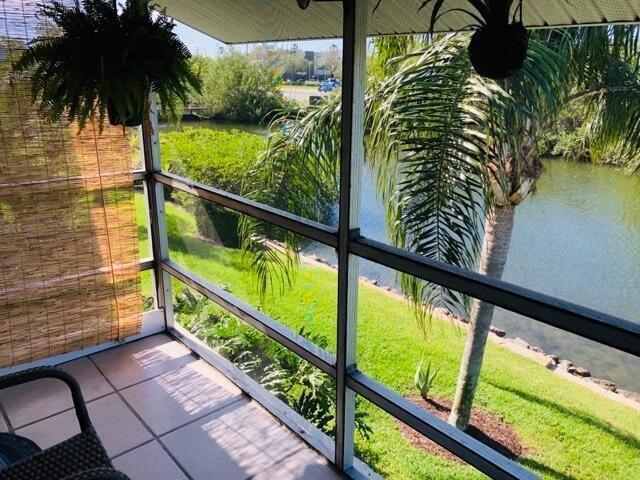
104 62
499 51
132 119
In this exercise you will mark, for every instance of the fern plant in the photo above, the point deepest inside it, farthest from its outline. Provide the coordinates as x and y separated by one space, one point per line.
101 63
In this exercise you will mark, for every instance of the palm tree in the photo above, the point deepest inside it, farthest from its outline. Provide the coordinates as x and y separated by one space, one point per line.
608 73
454 154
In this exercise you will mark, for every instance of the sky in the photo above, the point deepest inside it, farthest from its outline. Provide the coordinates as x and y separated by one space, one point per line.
199 43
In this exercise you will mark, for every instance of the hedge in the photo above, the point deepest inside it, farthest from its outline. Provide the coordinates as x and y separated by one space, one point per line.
219 158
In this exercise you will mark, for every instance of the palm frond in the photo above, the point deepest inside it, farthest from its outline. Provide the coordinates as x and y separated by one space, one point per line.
297 173
607 86
428 146
440 140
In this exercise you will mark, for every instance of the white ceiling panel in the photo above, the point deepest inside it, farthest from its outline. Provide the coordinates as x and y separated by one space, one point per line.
242 21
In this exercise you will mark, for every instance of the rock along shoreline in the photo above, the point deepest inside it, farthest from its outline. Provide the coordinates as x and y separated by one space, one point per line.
562 367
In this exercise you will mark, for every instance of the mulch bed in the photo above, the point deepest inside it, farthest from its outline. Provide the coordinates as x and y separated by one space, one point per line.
485 427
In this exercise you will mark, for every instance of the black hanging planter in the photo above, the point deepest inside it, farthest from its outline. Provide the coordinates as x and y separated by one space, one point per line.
498 48
499 51
132 120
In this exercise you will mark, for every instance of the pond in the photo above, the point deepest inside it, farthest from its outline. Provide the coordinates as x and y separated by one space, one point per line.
577 238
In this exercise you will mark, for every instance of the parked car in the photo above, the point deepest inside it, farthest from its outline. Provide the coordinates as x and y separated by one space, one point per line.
326 86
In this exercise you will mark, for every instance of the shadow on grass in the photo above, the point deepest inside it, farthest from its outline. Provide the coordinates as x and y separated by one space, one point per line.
142 232
586 418
199 249
546 470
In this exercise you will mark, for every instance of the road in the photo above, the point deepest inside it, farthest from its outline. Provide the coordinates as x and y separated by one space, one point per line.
301 93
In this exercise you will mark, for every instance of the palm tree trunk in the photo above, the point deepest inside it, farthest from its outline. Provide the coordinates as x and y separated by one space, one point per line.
498 228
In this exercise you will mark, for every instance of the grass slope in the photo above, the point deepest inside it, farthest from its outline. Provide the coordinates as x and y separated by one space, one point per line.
571 433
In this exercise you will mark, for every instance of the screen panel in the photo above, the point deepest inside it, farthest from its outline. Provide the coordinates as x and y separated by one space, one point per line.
538 406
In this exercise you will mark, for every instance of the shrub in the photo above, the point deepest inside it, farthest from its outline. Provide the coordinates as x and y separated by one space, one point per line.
425 378
570 137
567 136
238 89
296 382
219 158
216 157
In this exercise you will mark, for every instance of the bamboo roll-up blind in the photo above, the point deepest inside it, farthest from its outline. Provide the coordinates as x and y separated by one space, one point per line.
69 275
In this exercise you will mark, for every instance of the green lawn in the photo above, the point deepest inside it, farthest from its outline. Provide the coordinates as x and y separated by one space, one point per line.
143 244
569 431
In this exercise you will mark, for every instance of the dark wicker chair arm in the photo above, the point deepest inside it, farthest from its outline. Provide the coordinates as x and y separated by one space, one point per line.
98 474
38 373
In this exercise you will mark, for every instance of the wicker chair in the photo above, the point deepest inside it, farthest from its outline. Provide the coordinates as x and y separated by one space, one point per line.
81 457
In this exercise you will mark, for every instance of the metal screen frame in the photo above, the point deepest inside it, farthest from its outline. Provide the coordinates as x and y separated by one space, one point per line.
603 328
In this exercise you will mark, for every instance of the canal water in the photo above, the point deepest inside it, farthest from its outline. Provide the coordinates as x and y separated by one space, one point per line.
576 238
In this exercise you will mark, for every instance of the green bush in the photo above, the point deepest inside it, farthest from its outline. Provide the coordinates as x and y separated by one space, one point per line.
237 88
217 223
216 157
303 387
219 158
567 137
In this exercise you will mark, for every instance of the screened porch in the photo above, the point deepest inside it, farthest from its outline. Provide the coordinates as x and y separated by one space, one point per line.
109 274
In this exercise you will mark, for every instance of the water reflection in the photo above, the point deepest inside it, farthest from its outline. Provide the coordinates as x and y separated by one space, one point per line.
577 238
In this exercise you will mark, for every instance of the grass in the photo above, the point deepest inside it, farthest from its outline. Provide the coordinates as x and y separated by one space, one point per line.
143 245
570 432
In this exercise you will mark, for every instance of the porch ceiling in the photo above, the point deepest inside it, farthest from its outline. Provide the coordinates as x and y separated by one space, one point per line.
244 21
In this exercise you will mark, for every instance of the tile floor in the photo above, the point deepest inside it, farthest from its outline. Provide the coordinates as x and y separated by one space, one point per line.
163 414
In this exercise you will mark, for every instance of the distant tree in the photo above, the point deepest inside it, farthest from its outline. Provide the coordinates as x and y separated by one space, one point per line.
286 62
238 89
261 53
291 64
331 60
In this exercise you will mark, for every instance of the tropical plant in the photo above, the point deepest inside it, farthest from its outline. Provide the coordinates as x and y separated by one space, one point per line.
296 173
299 384
425 378
454 153
100 63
